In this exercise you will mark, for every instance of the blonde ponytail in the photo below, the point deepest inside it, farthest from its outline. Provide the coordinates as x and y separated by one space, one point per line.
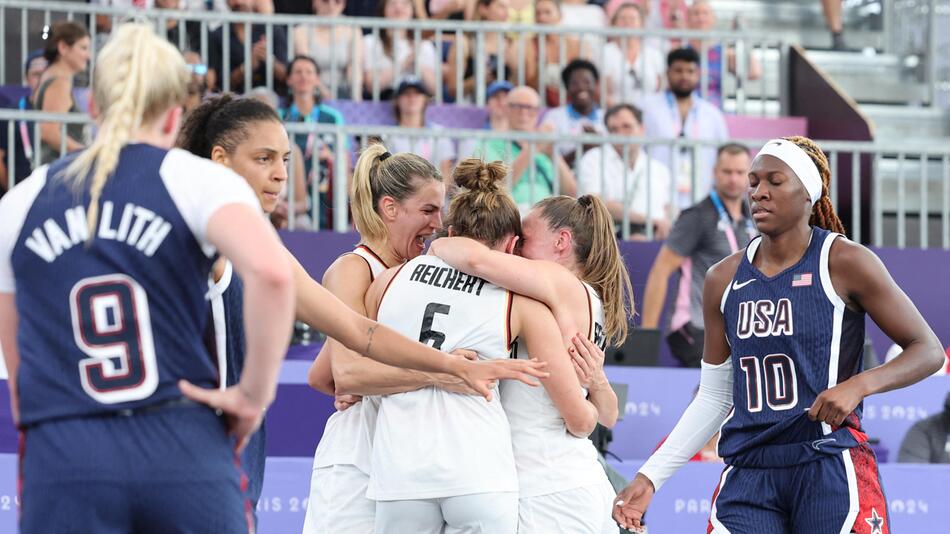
138 77
380 174
597 254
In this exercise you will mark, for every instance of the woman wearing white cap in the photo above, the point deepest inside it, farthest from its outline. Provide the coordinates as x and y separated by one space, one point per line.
782 368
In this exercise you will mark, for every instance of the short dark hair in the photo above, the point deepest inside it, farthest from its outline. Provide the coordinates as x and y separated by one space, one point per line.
682 54
732 149
578 64
301 57
617 108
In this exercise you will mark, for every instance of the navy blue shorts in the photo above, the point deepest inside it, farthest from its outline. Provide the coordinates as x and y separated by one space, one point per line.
169 470
835 494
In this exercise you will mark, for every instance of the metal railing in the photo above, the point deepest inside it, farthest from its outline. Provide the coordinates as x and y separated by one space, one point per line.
909 186
915 31
740 91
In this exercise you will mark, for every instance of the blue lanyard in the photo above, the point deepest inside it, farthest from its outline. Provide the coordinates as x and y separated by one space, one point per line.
676 114
725 221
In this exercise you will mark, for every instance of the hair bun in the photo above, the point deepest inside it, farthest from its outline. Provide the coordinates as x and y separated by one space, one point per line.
477 175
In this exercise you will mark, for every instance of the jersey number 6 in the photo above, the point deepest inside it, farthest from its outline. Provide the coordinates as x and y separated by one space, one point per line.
427 334
111 325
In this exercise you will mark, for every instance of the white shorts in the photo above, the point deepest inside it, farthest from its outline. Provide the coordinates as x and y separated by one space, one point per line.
338 503
583 510
478 513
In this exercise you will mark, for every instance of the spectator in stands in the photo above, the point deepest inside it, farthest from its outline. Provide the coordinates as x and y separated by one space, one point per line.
183 34
307 106
21 146
104 22
198 85
928 441
412 99
680 112
703 235
34 67
447 9
531 181
701 17
338 52
495 11
392 55
624 188
581 114
580 14
657 14
296 175
548 13
633 69
67 51
237 65
496 104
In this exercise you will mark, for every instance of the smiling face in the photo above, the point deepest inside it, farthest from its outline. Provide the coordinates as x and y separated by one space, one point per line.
581 89
303 77
262 160
76 55
777 197
415 219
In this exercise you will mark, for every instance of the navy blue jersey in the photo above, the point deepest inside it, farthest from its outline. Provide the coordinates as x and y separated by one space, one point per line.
114 322
227 303
791 338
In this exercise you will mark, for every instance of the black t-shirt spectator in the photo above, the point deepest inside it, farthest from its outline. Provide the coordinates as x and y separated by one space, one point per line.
259 75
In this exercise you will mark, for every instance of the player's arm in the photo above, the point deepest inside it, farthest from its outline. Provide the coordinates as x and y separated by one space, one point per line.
654 296
862 280
534 323
702 417
589 366
348 278
328 314
8 346
540 280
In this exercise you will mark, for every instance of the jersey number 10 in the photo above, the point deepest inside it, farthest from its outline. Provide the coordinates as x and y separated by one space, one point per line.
777 372
111 325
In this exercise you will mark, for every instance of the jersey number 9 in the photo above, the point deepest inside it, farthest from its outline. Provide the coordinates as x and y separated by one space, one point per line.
111 325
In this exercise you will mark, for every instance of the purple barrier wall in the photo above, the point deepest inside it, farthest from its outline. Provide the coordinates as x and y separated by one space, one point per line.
914 493
919 273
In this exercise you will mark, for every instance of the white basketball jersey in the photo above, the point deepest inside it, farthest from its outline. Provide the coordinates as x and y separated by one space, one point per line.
348 435
549 458
430 443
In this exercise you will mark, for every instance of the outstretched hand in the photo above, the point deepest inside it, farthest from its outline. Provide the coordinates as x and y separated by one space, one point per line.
631 503
243 416
482 375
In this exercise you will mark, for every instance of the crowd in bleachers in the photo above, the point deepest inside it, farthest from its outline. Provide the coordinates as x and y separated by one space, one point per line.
651 87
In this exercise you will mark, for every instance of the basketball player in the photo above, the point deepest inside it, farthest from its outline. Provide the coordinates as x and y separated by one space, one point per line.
577 261
396 201
441 461
108 252
247 136
782 365
219 129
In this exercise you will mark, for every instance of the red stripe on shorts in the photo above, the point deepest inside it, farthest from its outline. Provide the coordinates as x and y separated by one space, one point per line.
872 512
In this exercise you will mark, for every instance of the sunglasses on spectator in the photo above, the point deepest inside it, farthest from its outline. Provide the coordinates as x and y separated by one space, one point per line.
198 68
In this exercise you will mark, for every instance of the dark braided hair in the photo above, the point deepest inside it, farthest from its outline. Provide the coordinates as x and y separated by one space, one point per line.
222 121
823 214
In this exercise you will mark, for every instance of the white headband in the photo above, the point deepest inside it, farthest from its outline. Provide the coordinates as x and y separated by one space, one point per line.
800 163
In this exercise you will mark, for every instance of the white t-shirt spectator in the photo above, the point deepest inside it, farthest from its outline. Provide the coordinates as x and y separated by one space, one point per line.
661 118
617 184
376 59
629 83
567 120
436 149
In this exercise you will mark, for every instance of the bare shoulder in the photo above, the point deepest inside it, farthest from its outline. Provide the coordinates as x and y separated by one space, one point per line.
350 268
377 289
719 275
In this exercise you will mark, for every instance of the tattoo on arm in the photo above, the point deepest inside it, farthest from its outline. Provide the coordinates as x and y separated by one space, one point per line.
369 340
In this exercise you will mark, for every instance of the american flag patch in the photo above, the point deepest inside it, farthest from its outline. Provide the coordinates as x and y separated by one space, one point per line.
801 280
